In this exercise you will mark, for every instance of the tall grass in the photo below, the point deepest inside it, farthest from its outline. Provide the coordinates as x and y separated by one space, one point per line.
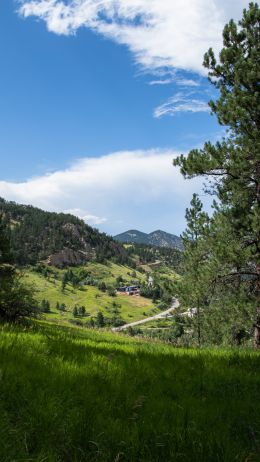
68 395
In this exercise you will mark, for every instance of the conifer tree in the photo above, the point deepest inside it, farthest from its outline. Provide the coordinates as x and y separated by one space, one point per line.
195 285
100 319
233 164
16 300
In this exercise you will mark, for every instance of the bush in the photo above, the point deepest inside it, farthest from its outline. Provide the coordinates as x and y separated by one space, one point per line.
162 306
102 286
45 306
111 292
16 299
100 319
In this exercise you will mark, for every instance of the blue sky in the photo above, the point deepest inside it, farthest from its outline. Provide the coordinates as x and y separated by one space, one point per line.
96 100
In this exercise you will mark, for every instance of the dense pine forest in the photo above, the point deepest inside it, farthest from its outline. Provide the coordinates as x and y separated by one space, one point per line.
36 234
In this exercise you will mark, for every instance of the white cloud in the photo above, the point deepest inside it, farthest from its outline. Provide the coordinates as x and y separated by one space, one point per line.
138 189
161 82
84 215
182 82
187 83
180 103
171 33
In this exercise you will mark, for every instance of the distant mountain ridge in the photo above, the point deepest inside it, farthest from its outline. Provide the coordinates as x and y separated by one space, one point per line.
157 238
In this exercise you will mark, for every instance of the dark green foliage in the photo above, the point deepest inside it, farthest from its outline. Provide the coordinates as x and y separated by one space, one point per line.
91 323
36 234
64 282
195 286
119 280
117 321
100 320
160 290
45 306
111 291
231 251
79 311
102 286
82 311
146 291
173 334
163 306
150 254
16 299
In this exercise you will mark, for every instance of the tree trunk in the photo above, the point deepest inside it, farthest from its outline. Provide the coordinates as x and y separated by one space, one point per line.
198 323
257 330
257 321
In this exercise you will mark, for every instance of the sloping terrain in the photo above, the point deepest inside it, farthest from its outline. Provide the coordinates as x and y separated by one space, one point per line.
121 307
156 238
60 239
68 394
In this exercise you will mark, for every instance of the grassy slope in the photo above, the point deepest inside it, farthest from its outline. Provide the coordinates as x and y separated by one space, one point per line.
74 395
131 309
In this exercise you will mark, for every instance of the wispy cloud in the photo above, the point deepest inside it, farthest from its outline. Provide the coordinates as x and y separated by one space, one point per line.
160 33
161 82
187 83
117 191
84 215
180 103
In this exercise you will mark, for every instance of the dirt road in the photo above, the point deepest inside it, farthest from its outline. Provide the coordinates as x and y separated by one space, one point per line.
161 315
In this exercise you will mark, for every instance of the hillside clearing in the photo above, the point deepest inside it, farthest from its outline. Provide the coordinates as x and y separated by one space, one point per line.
129 308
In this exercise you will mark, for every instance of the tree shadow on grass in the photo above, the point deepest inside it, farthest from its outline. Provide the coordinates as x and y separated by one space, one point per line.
90 402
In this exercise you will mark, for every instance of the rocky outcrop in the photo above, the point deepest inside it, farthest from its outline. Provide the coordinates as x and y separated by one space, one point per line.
69 257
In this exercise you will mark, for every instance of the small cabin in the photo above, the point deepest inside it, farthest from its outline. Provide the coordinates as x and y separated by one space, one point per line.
129 290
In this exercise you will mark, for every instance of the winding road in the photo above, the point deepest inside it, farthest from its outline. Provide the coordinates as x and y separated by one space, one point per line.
161 315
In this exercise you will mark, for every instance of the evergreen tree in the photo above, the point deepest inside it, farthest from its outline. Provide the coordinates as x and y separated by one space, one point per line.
35 235
194 286
81 311
100 319
233 164
16 300
102 286
45 306
91 323
64 281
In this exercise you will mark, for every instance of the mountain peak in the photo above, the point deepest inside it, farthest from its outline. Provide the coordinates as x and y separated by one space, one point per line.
157 238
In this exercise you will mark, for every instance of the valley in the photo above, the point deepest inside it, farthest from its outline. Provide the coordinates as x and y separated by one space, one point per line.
130 231
126 308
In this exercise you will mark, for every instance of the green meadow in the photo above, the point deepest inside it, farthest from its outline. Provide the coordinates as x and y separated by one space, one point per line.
69 394
129 308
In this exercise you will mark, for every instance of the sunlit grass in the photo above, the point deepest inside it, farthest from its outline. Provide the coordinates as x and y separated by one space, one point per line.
69 394
129 308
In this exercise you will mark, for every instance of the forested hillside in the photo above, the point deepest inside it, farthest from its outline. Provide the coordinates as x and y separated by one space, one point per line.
62 238
153 255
